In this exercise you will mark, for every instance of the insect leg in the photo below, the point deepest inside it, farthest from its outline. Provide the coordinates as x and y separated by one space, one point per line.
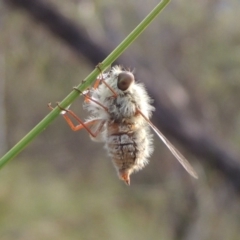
89 98
102 79
97 83
82 124
95 86
110 88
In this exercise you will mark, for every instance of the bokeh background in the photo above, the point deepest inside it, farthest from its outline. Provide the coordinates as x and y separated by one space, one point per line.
63 185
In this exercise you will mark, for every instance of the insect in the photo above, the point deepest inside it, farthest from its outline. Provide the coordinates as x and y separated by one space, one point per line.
120 112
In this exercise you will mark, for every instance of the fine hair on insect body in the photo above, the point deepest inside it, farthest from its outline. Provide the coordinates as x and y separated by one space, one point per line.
120 111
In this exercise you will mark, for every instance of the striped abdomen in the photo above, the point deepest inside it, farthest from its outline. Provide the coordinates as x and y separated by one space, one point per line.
128 148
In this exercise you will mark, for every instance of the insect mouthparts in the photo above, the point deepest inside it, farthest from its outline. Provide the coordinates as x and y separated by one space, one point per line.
125 79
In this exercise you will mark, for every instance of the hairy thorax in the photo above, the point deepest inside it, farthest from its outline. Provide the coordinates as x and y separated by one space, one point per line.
121 108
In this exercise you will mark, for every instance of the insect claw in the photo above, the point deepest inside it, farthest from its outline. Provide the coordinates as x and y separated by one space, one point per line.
75 88
98 66
64 110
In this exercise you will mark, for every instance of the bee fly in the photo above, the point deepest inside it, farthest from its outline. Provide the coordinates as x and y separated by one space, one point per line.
120 110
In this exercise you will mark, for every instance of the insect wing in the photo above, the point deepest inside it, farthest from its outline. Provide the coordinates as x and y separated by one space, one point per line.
173 150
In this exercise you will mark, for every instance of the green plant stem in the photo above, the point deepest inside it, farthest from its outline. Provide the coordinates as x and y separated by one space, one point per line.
84 85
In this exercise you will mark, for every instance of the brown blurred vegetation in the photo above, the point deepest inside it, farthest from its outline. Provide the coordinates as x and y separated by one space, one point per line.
63 186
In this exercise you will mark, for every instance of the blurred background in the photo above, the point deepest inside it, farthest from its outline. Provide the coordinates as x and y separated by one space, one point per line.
63 185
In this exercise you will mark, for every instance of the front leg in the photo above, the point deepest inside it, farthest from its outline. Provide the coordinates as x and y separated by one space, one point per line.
83 125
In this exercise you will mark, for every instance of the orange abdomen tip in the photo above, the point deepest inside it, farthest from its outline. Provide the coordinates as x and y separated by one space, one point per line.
125 176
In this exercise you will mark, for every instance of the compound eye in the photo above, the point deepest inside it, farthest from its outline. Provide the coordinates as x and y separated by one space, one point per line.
125 79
